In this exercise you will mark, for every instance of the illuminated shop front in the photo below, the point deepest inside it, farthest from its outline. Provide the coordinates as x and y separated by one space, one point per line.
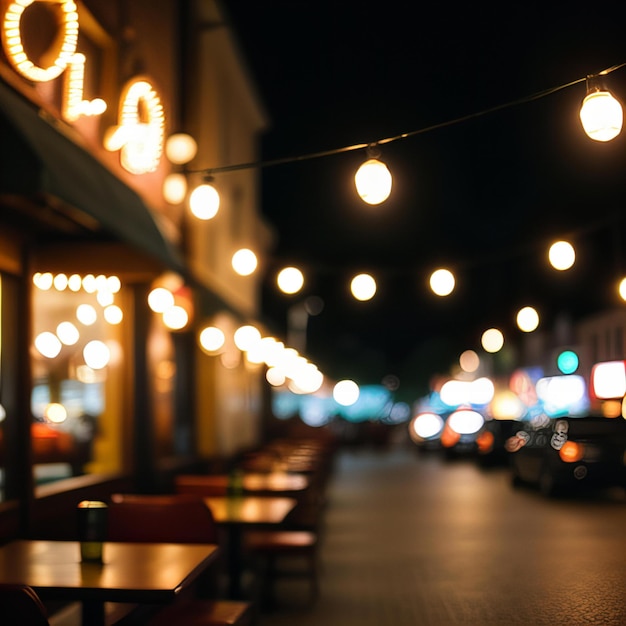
84 362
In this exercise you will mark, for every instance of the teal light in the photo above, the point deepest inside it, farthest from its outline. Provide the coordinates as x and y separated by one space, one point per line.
567 362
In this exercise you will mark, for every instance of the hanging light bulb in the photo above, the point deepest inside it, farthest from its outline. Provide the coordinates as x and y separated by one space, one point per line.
601 114
204 200
373 179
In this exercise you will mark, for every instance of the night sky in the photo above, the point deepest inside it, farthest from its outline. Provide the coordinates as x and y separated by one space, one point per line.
489 177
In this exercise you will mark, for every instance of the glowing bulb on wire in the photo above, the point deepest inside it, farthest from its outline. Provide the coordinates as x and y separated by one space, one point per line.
373 179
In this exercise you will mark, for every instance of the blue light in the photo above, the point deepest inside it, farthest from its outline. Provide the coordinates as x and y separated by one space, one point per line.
567 362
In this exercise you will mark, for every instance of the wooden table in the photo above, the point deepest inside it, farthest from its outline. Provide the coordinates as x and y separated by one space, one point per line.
255 483
141 573
238 513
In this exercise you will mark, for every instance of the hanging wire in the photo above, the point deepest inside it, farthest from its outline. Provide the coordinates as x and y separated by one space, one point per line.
421 131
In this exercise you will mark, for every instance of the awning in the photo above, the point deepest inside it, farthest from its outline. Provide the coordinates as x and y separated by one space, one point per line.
36 159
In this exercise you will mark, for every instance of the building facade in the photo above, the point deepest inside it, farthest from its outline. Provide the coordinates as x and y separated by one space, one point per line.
100 388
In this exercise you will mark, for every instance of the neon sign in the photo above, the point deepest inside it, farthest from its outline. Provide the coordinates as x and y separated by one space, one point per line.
61 51
140 133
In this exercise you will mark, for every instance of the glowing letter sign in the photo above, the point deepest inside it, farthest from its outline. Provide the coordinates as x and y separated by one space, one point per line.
140 133
60 53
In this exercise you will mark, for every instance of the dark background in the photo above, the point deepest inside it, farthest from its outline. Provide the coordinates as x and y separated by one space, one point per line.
489 178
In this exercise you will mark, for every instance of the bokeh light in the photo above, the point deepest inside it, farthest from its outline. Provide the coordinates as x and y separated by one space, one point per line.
442 282
567 362
492 340
96 354
48 344
527 319
211 339
346 392
160 299
562 255
290 280
469 361
363 287
204 202
244 262
86 314
67 333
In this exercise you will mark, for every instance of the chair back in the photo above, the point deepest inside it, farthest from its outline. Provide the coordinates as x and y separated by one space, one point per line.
160 518
201 484
21 604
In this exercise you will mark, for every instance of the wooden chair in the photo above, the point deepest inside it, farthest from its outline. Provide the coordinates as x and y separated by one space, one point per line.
22 605
285 554
176 519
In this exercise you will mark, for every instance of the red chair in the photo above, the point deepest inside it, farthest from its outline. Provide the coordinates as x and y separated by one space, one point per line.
154 518
176 519
21 604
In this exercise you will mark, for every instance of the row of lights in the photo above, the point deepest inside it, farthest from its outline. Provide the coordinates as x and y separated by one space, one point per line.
290 280
600 114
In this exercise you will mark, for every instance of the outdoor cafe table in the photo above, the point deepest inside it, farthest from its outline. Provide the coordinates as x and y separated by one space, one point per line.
138 573
237 513
254 483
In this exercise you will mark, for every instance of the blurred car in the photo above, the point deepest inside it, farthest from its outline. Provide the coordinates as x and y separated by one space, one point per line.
565 453
491 442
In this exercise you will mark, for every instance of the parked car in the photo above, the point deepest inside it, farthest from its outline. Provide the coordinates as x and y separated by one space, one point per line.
560 454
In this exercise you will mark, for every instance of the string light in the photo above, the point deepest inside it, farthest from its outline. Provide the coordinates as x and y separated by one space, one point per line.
600 114
421 131
373 179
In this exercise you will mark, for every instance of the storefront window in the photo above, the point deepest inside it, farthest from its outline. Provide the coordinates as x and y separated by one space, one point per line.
78 381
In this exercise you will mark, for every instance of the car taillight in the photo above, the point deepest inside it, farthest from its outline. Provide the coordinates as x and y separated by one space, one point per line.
571 452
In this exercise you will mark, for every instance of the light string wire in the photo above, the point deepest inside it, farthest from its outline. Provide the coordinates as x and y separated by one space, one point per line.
421 131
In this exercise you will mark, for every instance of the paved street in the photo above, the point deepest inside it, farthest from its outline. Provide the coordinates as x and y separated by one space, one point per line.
412 539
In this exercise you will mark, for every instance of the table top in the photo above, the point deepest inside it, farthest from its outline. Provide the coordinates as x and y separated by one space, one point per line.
151 573
272 482
250 509
275 481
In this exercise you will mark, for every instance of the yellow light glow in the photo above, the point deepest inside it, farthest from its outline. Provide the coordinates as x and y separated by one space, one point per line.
175 317
140 133
373 181
96 354
601 116
622 288
469 361
48 344
363 287
43 281
246 336
60 282
86 314
244 262
562 255
55 413
275 377
442 282
492 340
175 188
74 282
73 104
290 280
180 148
211 339
527 319
160 299
113 314
67 333
61 50
204 202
